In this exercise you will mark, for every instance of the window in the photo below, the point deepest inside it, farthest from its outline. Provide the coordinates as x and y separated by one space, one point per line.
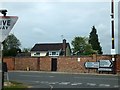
53 53
37 53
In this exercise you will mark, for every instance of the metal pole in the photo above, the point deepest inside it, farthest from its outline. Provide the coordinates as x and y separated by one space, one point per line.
113 39
112 21
4 12
1 71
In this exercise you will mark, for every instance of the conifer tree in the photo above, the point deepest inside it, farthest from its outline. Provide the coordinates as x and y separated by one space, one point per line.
93 40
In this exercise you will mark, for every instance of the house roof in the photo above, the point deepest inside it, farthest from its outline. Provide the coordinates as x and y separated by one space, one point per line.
48 46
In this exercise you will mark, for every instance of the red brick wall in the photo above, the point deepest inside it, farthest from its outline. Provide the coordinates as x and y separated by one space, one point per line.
10 63
24 63
64 64
118 63
71 64
104 57
45 64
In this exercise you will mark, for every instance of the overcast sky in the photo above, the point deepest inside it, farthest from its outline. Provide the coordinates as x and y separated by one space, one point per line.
44 22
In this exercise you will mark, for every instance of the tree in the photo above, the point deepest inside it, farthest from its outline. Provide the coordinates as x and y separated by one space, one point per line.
11 46
93 40
81 46
26 50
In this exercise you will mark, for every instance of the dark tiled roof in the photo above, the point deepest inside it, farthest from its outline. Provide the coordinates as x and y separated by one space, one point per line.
48 46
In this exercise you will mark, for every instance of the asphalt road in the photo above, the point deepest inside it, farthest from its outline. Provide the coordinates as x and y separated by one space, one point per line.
64 80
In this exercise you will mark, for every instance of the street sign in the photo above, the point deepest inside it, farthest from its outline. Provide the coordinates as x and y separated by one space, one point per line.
92 64
105 63
104 69
6 24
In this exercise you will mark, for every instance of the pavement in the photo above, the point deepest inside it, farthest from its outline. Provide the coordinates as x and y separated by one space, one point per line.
68 73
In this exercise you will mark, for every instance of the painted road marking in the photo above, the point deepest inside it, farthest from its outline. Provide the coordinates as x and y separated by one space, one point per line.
97 78
79 83
36 76
116 86
73 84
64 83
91 84
37 81
52 82
104 85
44 82
51 76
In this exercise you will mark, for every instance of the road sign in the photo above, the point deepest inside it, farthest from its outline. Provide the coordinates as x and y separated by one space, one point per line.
92 64
104 69
105 63
6 24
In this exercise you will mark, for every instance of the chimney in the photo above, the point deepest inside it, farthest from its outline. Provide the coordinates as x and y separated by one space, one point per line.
64 47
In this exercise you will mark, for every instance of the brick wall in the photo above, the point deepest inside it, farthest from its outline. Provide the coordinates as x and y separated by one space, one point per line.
25 63
64 64
45 64
10 63
104 57
71 64
118 63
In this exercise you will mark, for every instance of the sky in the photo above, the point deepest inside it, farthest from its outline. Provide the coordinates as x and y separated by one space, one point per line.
119 28
49 22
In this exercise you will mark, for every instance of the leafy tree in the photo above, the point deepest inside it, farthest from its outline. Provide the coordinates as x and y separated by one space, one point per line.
93 40
81 46
26 50
11 46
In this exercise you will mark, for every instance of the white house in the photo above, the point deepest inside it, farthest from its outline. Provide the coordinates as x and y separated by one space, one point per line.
51 49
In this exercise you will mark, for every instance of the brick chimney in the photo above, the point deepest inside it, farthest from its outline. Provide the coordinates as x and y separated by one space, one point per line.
64 47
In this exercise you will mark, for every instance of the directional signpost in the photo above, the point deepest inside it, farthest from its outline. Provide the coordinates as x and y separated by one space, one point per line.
92 64
6 24
105 63
101 65
105 69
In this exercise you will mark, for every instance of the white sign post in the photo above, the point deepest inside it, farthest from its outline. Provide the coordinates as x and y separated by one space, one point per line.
92 64
6 24
106 63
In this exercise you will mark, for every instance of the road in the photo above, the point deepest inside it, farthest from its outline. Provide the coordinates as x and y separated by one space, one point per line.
64 80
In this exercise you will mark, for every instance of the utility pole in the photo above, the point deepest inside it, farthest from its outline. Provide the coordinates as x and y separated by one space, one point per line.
113 37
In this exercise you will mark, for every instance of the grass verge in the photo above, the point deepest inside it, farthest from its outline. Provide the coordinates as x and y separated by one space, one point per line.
13 85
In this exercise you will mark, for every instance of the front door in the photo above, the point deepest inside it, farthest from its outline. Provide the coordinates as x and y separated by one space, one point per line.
54 64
